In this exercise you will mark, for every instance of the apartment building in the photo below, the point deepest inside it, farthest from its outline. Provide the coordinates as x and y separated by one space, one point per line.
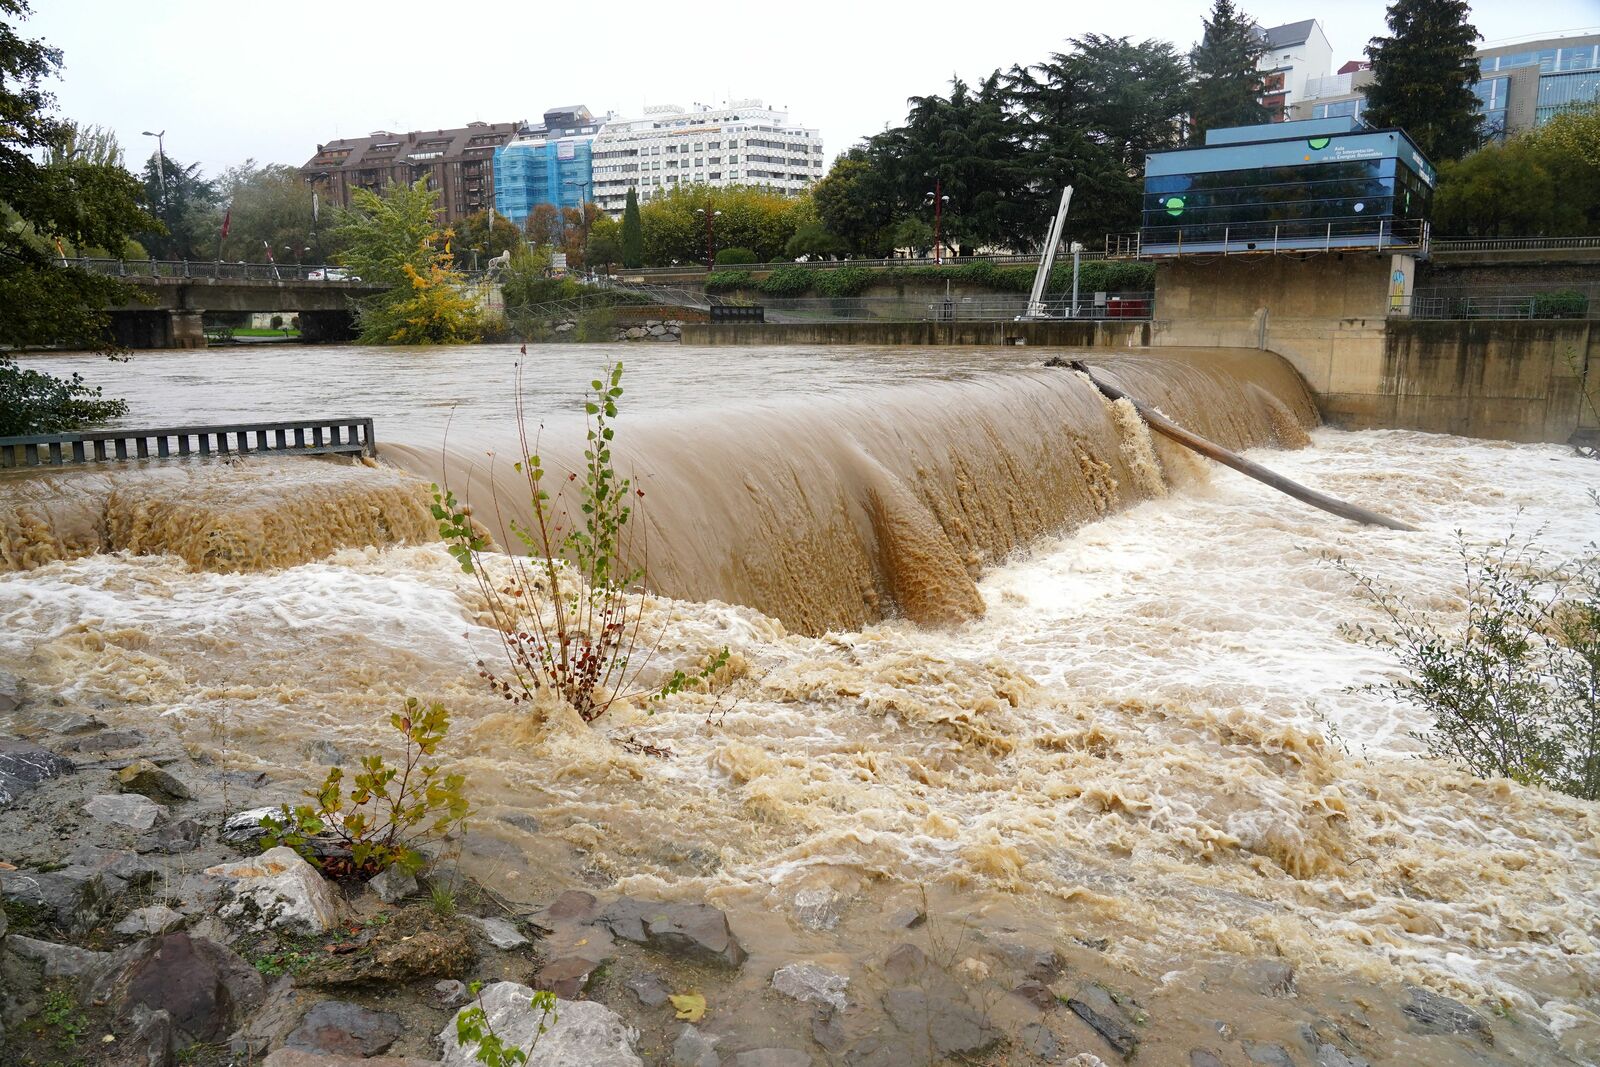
742 143
1520 85
550 163
457 162
1296 53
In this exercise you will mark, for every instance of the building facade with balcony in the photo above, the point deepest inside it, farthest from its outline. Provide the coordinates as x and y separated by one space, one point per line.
743 143
550 163
1519 86
1296 53
459 163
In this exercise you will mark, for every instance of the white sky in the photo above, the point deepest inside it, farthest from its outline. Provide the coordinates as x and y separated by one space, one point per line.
230 79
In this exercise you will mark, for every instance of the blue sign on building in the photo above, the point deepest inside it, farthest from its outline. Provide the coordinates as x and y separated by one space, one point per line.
1286 186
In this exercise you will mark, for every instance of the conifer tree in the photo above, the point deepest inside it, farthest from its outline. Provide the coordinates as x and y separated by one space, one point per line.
1422 77
1227 82
632 233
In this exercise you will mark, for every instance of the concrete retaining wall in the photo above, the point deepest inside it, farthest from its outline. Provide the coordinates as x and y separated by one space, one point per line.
1108 334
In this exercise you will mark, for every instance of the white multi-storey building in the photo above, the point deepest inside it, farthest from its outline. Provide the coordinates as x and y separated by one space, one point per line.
744 143
1295 54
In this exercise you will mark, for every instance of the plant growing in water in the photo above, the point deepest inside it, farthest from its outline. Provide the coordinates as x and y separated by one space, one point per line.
391 811
565 618
1513 687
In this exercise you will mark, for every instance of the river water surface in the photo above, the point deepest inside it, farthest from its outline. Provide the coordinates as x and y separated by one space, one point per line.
1125 729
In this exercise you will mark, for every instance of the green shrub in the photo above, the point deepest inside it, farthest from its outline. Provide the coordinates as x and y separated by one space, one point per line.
733 257
385 822
1564 304
473 1027
789 281
722 281
34 402
842 281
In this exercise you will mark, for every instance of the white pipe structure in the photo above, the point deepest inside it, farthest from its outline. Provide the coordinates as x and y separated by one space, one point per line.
1048 257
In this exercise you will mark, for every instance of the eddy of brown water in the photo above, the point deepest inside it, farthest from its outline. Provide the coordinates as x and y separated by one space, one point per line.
1126 745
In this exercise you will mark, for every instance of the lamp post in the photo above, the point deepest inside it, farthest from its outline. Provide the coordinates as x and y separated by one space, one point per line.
161 161
583 217
938 200
711 241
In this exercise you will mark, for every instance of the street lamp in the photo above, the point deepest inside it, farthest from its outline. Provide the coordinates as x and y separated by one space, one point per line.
938 200
583 217
711 242
161 165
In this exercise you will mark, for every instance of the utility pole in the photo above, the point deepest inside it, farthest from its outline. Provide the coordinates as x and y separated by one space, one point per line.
711 244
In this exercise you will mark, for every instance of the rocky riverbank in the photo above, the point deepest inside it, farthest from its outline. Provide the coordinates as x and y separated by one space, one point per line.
144 927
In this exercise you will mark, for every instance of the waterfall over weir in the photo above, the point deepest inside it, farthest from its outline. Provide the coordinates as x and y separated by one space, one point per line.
887 501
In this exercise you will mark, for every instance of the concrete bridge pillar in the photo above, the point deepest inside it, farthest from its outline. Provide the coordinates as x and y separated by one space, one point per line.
185 330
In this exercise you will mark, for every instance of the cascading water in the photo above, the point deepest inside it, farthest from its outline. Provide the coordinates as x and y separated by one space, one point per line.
1126 750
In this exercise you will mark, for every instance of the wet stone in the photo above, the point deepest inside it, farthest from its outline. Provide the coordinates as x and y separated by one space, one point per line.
1039 1040
809 982
1270 978
950 1028
206 988
245 826
1036 993
696 930
76 897
907 919
1204 1057
58 961
1095 1006
173 838
650 989
346 1029
694 1049
416 945
149 1043
1333 1056
155 919
107 741
1431 1013
772 1057
450 992
1268 1055
490 848
498 932
279 889
393 885
583 1032
10 692
827 1028
572 906
129 810
904 963
1039 963
146 779
522 821
24 766
566 977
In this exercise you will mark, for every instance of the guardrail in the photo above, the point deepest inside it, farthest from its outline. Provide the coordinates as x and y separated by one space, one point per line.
1511 244
187 268
1498 302
310 437
835 264
1136 306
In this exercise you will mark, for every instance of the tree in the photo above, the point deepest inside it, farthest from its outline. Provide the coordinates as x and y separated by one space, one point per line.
269 206
475 234
1542 183
78 200
759 219
914 235
603 250
394 240
1422 77
632 233
1227 81
856 203
186 203
813 241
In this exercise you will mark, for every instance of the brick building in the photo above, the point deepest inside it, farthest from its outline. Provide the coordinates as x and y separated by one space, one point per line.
459 163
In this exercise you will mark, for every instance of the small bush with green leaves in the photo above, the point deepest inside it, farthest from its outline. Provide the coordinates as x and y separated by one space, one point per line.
389 813
732 257
1512 684
722 281
472 1027
1563 304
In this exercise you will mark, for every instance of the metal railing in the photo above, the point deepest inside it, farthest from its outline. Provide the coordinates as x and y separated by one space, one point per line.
1132 306
310 437
1576 301
999 260
1511 244
1291 236
189 268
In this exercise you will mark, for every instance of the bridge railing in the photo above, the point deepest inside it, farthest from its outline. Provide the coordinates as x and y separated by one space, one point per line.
1577 300
1511 244
310 437
190 268
998 260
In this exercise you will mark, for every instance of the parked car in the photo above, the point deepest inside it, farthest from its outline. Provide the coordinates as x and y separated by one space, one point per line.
332 274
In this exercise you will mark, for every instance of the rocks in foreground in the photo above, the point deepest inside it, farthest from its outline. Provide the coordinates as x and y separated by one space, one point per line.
583 1031
207 989
694 930
278 889
24 766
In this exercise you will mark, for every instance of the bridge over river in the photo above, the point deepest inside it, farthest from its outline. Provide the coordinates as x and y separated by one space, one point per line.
177 293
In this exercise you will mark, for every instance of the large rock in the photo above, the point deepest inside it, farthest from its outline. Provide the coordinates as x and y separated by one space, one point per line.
207 989
949 1027
342 1028
1096 1006
245 826
1431 1013
172 838
58 961
695 1049
696 930
146 779
24 766
82 893
148 1042
125 809
278 889
155 919
416 945
299 1057
106 741
393 885
584 1033
269 1024
809 982
566 977
498 932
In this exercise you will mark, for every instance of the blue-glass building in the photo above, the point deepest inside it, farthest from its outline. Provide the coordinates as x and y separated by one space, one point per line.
1286 186
547 164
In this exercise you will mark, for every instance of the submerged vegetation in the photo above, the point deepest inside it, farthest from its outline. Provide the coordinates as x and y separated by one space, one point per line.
1513 687
567 618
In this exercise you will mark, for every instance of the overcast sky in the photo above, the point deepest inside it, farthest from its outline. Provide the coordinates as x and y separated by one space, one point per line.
231 79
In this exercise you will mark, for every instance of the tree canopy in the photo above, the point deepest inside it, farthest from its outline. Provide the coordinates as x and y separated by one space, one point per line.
1542 183
268 206
1422 77
1227 82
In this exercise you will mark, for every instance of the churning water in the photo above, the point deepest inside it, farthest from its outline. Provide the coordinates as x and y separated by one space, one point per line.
1109 714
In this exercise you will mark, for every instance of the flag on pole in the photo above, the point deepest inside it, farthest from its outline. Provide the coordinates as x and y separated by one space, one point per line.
227 220
269 252
315 204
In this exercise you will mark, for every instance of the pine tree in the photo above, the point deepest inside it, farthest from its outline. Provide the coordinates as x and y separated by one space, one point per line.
1227 81
632 233
1422 77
